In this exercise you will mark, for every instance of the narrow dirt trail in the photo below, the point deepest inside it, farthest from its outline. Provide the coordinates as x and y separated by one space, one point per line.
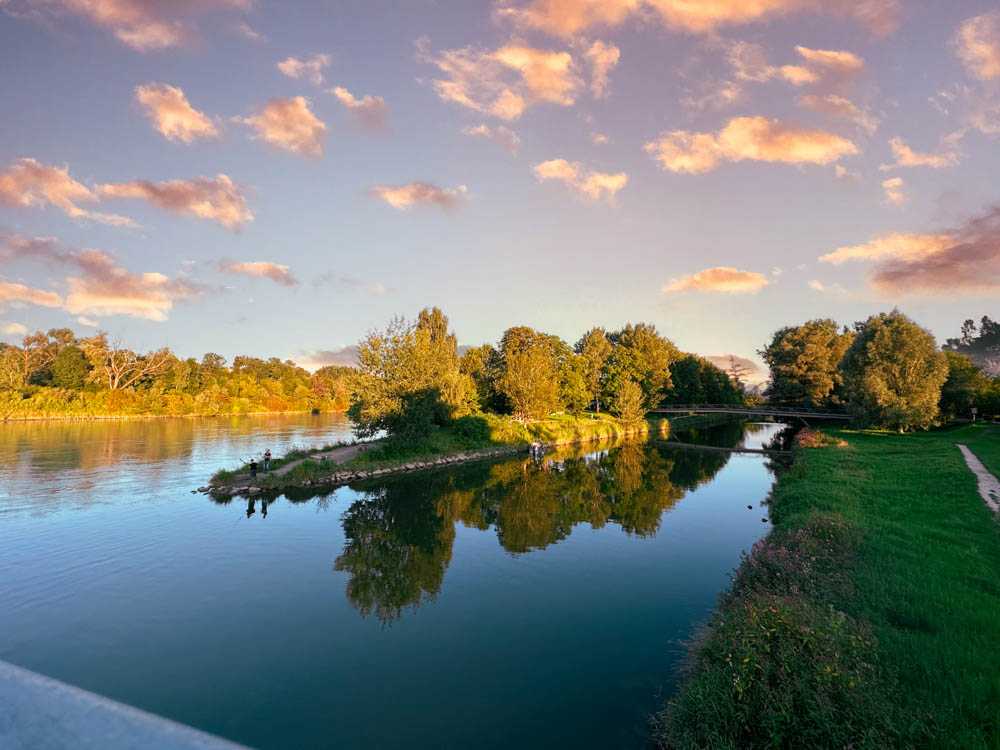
989 486
339 455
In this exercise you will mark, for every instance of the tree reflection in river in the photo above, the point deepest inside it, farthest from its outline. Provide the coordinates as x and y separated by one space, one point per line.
399 535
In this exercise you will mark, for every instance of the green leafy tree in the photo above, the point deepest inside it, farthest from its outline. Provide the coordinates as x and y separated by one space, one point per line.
695 380
531 365
530 382
630 402
641 355
70 368
981 344
595 349
484 365
574 390
403 371
893 373
804 362
965 386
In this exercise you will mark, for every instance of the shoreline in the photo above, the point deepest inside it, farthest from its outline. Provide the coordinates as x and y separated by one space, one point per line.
341 476
131 417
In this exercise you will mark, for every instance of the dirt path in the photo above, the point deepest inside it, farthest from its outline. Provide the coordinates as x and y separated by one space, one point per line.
989 486
339 455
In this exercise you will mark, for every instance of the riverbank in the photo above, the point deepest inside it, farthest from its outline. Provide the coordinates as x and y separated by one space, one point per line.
473 438
870 617
135 417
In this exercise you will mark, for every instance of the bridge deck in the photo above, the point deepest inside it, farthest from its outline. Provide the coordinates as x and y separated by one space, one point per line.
751 412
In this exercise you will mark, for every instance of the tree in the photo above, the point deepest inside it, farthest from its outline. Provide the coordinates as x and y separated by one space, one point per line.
629 402
530 381
531 363
70 368
737 372
804 362
483 365
595 349
964 386
695 380
20 364
120 368
982 345
574 391
405 370
640 354
893 373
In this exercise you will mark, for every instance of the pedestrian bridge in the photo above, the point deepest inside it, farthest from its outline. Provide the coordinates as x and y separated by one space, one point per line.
764 410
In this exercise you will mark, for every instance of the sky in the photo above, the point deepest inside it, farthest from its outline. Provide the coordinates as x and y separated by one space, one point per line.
279 178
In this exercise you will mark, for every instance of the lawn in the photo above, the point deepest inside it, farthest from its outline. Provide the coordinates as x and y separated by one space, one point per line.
870 617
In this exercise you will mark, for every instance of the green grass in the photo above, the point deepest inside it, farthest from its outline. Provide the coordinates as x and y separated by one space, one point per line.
870 617
474 433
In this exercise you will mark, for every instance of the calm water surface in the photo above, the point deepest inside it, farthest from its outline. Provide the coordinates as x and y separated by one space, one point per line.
492 605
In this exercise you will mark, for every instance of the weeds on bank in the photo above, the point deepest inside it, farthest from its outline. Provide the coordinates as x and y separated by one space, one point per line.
779 665
870 617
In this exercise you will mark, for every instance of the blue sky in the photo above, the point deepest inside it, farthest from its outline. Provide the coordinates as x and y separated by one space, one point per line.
717 255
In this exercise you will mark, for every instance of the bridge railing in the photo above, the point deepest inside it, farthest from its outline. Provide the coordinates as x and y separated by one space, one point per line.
770 407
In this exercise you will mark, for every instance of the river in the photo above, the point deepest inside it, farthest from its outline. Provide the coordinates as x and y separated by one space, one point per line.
492 605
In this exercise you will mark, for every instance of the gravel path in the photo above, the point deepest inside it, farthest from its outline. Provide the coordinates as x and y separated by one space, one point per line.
989 486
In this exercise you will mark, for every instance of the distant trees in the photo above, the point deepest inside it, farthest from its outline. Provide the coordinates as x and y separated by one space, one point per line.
965 386
982 346
893 373
698 381
55 373
804 362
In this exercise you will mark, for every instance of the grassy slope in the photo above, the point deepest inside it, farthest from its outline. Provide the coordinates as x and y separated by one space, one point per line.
480 432
891 532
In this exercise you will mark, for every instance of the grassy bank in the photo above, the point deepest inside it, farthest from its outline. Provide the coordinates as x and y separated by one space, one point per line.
468 436
870 617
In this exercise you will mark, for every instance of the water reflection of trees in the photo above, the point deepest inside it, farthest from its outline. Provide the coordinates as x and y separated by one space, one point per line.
399 536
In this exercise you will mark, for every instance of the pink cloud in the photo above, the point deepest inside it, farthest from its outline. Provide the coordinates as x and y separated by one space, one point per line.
28 183
172 115
370 111
218 199
747 139
590 184
403 197
143 25
721 279
290 125
309 68
276 272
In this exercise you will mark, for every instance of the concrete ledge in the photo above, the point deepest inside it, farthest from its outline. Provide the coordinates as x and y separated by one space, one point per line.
39 713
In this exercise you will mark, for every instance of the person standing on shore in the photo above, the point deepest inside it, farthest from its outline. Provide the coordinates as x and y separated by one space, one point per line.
267 460
253 469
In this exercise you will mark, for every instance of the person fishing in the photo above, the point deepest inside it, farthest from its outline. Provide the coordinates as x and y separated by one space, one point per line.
253 468
267 460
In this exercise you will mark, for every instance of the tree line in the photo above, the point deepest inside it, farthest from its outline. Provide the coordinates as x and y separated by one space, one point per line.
55 373
411 377
886 370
